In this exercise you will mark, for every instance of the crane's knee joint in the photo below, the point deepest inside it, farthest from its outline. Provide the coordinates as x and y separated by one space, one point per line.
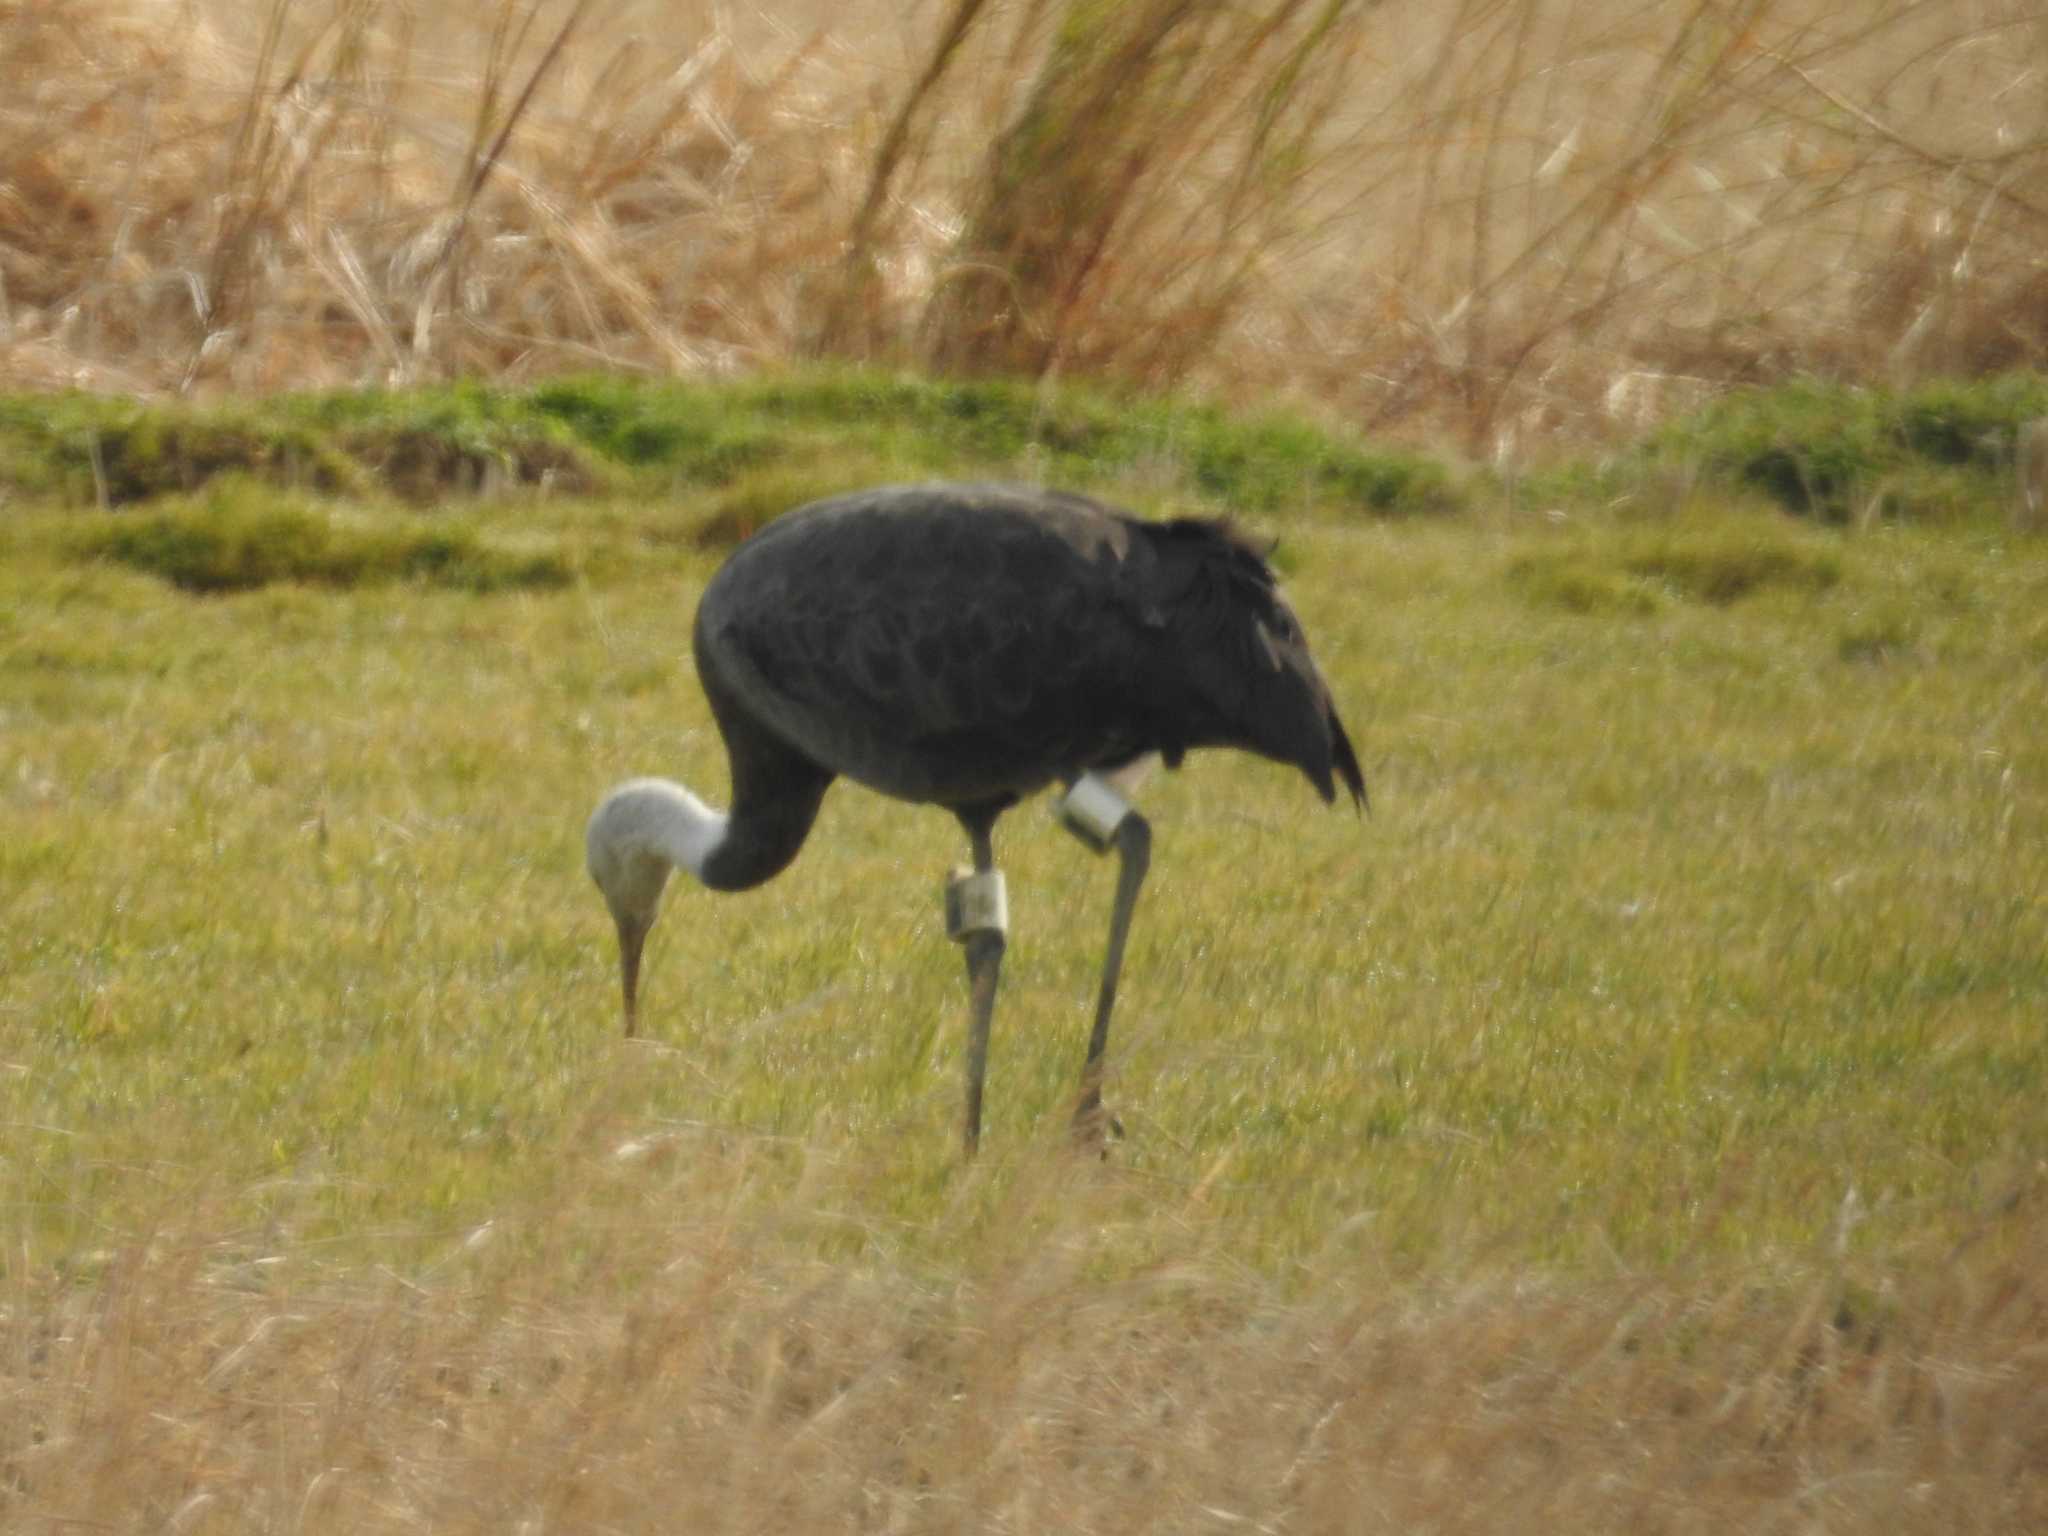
976 902
1095 812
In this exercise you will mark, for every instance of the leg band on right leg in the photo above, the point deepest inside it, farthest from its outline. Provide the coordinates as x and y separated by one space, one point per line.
976 903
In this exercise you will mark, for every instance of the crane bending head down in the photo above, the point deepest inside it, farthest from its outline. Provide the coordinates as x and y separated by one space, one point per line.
965 646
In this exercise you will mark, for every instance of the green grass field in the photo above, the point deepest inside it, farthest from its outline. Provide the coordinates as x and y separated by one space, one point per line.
1696 948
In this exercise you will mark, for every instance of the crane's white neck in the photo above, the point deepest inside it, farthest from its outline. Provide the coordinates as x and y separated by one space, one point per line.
648 821
639 833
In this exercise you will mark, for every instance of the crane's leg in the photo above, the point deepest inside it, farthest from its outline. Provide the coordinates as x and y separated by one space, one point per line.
1103 819
976 916
1134 857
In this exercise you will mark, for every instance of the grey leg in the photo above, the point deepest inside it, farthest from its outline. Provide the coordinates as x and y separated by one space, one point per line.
1133 843
984 966
976 917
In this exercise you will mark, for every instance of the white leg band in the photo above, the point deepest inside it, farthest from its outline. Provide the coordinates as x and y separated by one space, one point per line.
1092 810
976 903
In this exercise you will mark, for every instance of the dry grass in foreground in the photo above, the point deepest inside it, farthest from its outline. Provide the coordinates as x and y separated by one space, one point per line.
1505 220
672 1365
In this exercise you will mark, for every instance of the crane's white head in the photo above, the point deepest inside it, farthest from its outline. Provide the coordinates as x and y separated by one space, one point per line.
639 833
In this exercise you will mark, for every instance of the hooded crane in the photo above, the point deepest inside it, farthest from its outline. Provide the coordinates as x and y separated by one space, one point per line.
965 646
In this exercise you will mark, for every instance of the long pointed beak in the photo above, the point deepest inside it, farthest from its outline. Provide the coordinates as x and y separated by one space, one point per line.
632 935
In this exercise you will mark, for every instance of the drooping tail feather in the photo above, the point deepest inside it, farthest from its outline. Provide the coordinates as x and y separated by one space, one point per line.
1346 763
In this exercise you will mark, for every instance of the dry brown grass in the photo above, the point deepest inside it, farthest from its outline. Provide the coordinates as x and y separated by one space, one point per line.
656 1356
1503 219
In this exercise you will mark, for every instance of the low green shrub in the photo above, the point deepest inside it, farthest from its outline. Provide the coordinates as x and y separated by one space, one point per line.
1971 421
1807 445
1842 454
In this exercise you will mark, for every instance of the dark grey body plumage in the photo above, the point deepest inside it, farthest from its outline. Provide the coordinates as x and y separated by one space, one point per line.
967 645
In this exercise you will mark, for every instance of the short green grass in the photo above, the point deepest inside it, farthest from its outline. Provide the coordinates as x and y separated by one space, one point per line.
1706 882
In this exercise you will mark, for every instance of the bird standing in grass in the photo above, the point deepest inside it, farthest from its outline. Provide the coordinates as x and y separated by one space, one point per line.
965 646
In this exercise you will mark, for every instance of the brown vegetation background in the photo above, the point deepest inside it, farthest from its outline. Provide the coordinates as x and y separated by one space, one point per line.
1498 219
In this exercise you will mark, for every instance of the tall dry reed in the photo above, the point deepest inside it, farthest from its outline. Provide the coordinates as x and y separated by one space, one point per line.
1498 218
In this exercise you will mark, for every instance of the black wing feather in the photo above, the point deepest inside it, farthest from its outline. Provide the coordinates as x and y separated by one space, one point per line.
962 644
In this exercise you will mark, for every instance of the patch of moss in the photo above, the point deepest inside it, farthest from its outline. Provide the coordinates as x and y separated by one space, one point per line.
240 535
105 451
1576 583
422 466
1875 638
443 442
1724 568
743 510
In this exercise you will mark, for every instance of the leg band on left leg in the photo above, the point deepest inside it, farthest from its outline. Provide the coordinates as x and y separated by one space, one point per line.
1092 810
